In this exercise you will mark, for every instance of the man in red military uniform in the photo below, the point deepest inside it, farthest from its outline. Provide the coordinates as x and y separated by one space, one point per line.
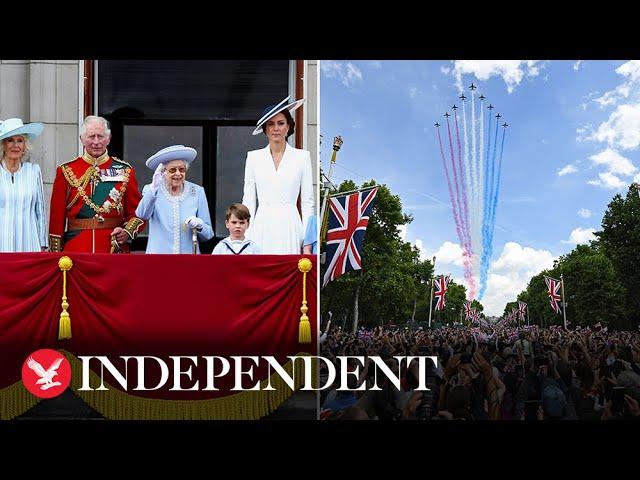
94 198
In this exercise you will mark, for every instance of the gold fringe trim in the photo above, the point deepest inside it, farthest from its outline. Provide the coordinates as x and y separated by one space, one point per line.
251 405
15 400
117 405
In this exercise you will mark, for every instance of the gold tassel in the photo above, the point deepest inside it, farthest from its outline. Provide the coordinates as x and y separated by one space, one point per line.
304 331
64 331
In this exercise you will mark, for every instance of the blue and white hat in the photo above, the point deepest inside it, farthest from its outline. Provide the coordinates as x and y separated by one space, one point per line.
174 152
14 126
273 110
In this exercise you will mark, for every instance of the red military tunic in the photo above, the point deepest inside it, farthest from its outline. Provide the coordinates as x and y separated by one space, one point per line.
91 197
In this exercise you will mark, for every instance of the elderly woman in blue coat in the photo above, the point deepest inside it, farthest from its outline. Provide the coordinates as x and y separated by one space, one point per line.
177 210
22 219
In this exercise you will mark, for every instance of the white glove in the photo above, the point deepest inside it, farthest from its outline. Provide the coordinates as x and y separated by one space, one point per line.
158 178
194 222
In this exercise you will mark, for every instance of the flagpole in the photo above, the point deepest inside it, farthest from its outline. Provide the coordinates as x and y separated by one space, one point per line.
363 189
337 143
564 307
431 294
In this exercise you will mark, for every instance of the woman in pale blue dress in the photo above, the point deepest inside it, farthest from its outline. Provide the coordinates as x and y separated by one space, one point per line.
22 221
176 210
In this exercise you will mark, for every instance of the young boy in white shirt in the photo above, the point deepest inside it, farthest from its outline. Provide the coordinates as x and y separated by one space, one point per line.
237 222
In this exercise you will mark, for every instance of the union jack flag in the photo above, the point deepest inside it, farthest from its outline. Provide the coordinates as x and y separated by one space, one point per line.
468 312
522 308
553 291
442 285
348 220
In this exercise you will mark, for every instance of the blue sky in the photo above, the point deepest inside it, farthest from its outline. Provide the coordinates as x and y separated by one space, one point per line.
572 143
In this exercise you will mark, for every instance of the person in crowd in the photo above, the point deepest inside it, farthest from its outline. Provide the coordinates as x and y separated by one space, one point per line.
485 374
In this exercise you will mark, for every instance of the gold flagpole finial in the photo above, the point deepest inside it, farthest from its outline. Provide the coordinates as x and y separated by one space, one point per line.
304 330
64 331
337 143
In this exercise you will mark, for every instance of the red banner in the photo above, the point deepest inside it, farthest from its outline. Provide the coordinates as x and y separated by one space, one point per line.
160 305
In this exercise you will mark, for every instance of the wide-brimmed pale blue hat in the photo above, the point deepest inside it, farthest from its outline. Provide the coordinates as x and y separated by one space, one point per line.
14 126
174 152
273 110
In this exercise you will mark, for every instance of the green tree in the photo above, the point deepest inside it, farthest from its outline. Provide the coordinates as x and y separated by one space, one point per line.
508 308
456 298
475 304
392 277
619 240
592 289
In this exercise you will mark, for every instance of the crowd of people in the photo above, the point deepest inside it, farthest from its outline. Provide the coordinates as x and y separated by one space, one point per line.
96 205
488 373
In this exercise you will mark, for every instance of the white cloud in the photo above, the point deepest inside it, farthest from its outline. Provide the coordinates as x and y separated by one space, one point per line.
584 133
636 179
576 66
567 170
584 213
615 162
448 253
608 180
511 71
376 64
581 235
414 92
330 68
620 131
613 96
631 70
445 70
423 251
622 128
348 73
510 274
617 165
402 230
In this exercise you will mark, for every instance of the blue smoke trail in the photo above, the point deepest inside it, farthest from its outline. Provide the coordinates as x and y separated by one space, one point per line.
487 193
493 213
489 226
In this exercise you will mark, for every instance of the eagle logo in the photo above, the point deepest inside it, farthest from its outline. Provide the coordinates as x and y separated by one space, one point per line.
46 376
46 373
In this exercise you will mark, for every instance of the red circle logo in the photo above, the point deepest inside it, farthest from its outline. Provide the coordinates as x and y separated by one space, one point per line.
46 373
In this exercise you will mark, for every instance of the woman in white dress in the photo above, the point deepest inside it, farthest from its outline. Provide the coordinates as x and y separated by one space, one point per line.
274 177
22 221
